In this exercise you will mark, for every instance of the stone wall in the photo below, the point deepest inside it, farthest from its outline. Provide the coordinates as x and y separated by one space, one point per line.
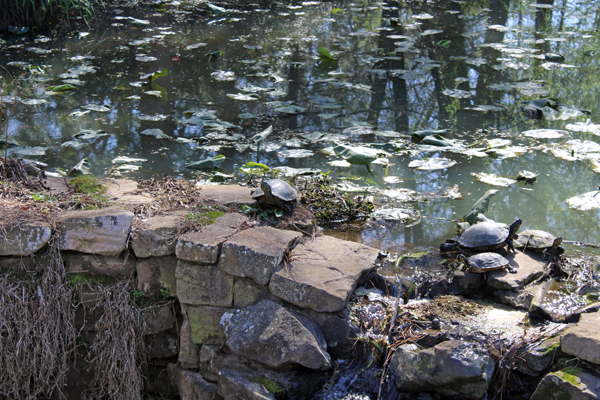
246 311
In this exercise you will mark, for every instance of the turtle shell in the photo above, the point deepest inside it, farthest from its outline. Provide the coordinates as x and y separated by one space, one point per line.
484 236
280 190
536 240
484 262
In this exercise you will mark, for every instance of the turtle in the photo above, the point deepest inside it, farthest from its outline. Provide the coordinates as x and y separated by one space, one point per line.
483 237
539 241
485 262
277 193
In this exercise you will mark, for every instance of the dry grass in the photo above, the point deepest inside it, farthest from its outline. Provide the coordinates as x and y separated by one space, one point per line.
118 352
37 332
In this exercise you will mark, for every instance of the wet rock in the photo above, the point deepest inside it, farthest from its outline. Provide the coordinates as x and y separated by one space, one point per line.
19 263
162 345
583 339
203 284
338 333
158 318
528 299
24 238
453 368
102 232
256 253
205 246
204 323
191 385
228 194
212 360
156 276
111 266
323 273
535 360
569 383
157 236
247 292
276 336
463 283
188 353
235 385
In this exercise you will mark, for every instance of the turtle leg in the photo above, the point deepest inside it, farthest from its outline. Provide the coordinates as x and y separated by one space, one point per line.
511 246
511 269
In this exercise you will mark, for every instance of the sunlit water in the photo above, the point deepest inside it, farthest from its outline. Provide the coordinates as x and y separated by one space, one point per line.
402 67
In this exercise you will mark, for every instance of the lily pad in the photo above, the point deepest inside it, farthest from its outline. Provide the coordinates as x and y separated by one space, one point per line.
157 133
457 93
81 168
97 107
208 163
357 155
125 159
545 133
586 201
295 153
406 216
493 179
243 97
223 76
291 109
88 134
430 164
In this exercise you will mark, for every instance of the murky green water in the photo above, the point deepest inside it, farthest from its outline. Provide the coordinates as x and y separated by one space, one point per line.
464 67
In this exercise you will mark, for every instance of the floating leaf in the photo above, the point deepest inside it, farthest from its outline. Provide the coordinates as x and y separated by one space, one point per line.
545 133
153 75
62 88
97 107
291 109
249 47
295 153
208 163
260 137
223 76
243 97
195 46
252 168
406 216
214 56
586 201
326 56
125 159
357 155
88 134
430 164
81 168
146 58
493 179
457 93
157 133
216 9
34 102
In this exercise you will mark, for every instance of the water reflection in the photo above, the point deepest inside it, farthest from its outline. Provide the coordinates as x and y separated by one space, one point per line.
402 67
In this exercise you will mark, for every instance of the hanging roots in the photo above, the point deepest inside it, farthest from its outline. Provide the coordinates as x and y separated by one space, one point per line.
118 353
37 332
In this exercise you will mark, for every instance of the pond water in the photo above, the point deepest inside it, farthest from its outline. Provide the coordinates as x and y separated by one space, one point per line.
510 85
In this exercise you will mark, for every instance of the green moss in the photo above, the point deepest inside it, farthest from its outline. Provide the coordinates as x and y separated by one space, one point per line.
205 215
85 278
273 387
569 374
89 185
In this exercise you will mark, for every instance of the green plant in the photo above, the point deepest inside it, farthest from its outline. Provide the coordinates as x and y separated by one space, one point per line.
19 16
204 215
165 293
263 214
89 185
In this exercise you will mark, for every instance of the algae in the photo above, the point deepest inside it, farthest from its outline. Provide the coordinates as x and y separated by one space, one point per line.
273 387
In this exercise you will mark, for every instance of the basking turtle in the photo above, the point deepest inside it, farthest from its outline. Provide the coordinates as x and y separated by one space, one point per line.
539 241
483 237
277 193
485 262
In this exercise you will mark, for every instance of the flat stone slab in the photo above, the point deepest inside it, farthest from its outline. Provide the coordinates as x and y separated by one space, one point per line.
112 266
228 194
205 246
24 239
158 235
529 267
323 273
583 339
256 253
156 275
101 232
201 284
125 191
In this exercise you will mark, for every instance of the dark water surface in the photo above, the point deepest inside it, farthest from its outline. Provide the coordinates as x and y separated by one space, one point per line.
467 68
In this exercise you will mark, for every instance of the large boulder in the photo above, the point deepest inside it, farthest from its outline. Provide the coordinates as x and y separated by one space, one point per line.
276 336
323 273
256 253
583 339
24 238
569 384
453 368
102 232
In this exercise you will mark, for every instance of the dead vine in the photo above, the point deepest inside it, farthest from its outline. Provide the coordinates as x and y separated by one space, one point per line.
37 331
118 352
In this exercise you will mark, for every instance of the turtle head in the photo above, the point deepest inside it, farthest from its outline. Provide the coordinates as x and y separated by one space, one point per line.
513 228
265 187
463 260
